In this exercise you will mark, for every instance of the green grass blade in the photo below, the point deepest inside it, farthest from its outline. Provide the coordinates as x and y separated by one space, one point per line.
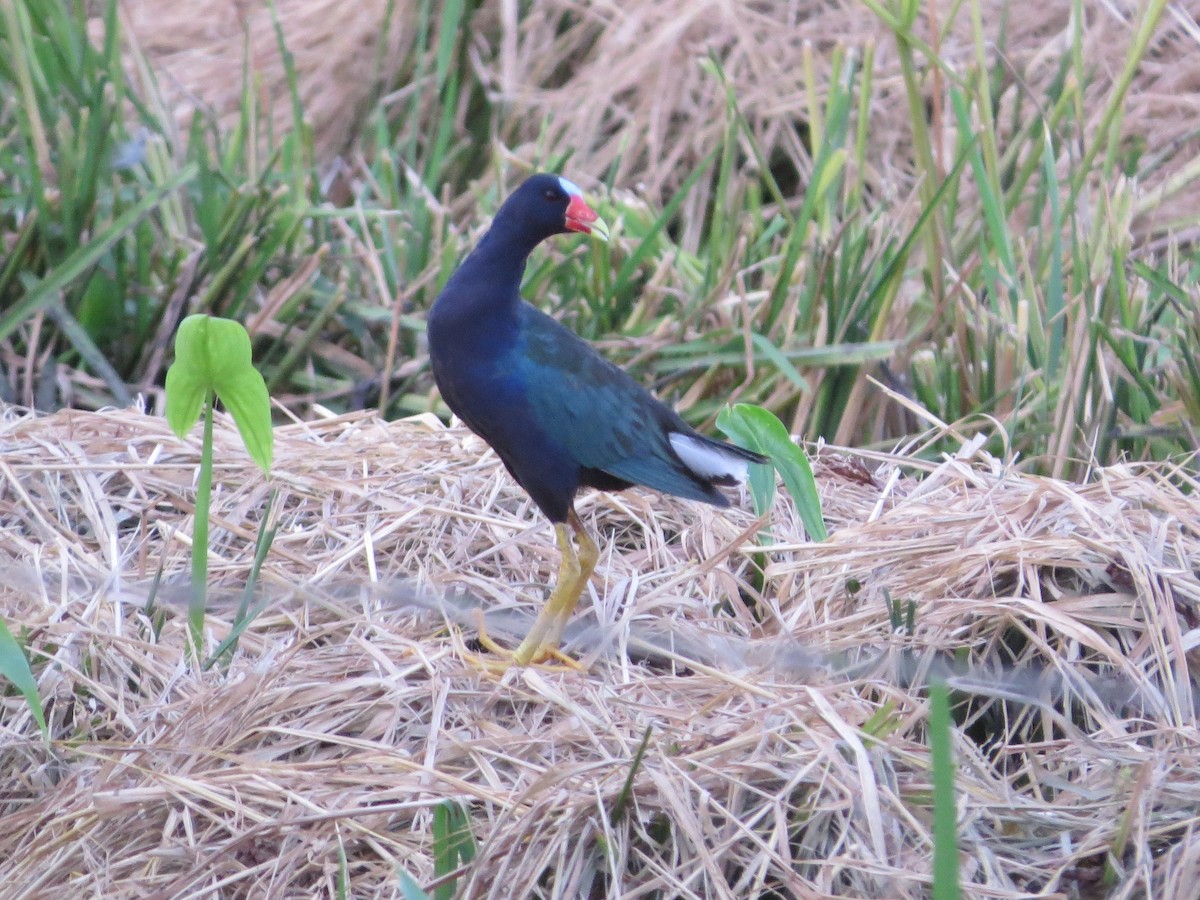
1055 294
46 291
247 614
617 811
15 667
1108 132
449 29
343 870
453 843
95 359
945 806
629 267
704 354
777 358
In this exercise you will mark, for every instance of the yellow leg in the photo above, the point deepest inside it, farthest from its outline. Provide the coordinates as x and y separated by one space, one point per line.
573 573
586 559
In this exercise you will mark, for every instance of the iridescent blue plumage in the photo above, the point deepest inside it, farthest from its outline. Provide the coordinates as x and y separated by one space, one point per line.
558 414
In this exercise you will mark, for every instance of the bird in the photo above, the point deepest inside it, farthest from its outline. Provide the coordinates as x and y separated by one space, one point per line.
559 415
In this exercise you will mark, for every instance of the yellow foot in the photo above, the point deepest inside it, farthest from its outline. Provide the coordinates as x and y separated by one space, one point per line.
537 656
541 644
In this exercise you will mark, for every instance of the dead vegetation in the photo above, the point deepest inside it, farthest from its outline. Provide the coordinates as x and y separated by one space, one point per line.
786 748
781 687
620 84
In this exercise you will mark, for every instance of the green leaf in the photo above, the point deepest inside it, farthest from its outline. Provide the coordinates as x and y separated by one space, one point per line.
15 667
248 402
214 349
762 478
945 809
185 399
213 354
760 430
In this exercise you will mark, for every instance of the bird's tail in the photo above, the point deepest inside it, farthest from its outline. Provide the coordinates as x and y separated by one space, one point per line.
713 461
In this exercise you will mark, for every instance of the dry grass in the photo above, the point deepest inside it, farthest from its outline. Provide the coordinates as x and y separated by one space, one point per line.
620 84
786 755
344 55
636 102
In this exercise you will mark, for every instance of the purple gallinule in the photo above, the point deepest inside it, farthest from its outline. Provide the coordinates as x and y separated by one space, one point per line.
559 415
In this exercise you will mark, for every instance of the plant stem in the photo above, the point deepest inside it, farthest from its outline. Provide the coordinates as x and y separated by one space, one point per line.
199 598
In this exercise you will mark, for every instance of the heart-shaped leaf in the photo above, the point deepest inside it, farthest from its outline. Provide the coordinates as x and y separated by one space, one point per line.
212 356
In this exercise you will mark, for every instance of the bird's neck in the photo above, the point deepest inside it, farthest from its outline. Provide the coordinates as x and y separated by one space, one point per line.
488 283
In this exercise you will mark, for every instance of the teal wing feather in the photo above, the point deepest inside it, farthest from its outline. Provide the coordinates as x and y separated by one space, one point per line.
603 418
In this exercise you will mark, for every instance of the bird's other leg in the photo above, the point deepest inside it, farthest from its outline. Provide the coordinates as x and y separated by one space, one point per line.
536 646
574 572
587 557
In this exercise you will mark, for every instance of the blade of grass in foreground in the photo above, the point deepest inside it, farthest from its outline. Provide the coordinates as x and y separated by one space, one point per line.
15 667
453 843
945 809
621 803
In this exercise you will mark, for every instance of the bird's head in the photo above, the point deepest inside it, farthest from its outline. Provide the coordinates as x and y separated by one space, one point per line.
550 204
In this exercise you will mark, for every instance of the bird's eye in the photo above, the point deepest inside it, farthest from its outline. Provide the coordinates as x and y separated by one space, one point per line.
552 194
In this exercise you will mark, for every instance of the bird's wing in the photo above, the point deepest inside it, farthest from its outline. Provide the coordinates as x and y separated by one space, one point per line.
605 419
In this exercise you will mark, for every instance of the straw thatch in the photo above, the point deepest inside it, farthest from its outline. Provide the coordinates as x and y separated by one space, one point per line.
786 755
622 87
